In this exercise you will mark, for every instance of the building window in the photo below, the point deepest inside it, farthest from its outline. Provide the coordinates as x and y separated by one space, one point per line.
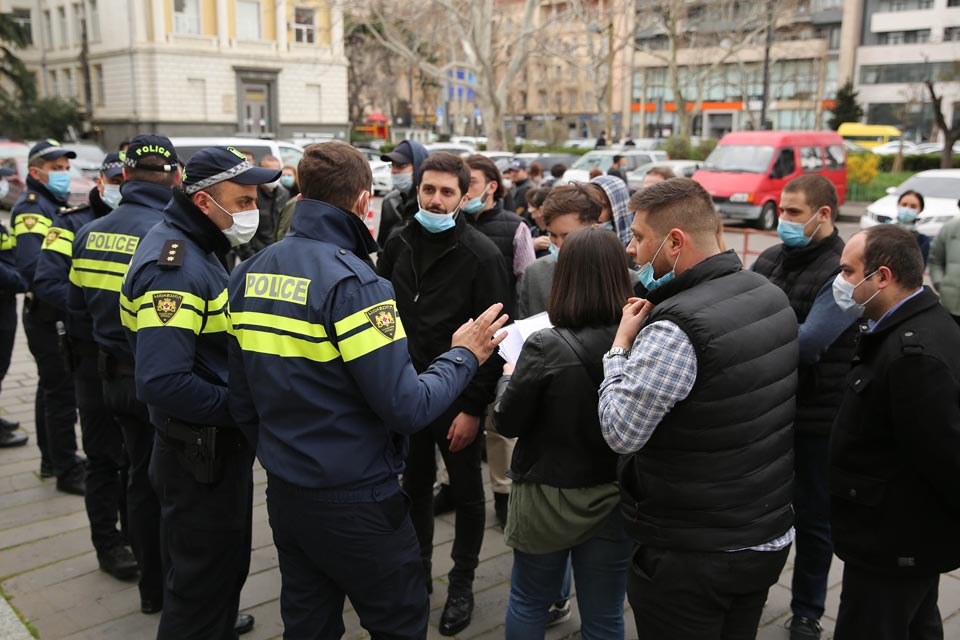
62 20
93 21
186 16
305 25
21 18
910 72
953 3
47 29
248 19
53 89
98 79
951 34
572 98
69 90
542 99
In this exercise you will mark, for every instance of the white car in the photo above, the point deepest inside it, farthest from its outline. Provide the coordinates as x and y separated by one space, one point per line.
680 168
893 148
940 189
288 153
500 158
456 148
603 160
382 177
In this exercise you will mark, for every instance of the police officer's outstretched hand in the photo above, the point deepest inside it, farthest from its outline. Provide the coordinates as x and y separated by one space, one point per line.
478 335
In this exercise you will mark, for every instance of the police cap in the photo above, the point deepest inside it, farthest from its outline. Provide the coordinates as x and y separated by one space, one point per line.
213 165
5 172
151 146
49 149
112 165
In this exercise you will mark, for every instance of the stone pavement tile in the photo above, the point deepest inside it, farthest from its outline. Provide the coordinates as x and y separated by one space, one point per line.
17 477
29 556
777 608
52 574
32 505
261 588
91 612
75 591
134 626
43 529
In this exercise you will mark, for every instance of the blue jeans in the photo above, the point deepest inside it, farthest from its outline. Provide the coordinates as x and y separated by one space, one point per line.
600 570
811 503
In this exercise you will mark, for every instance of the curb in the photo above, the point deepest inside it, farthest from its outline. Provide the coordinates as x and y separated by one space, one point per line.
11 628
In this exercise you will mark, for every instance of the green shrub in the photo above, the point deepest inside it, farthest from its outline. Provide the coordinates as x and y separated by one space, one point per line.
912 163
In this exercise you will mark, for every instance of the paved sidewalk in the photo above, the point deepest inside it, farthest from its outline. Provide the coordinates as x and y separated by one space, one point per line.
49 573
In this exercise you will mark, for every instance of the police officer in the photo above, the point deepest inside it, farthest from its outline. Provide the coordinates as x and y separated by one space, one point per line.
102 441
173 305
10 285
102 250
48 187
321 378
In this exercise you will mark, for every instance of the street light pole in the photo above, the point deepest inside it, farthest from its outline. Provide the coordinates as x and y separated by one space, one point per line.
610 60
766 66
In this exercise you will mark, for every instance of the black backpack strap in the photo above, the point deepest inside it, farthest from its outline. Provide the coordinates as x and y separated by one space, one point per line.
594 369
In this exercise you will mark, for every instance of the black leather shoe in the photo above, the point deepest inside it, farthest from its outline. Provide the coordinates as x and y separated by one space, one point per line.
119 562
500 502
73 481
804 628
243 624
456 615
8 425
10 439
46 469
148 606
443 501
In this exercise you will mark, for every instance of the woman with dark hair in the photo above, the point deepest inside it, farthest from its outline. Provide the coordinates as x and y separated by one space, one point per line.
563 506
541 238
909 208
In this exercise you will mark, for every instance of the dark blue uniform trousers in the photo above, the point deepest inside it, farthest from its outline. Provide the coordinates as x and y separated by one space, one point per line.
332 545
205 538
8 330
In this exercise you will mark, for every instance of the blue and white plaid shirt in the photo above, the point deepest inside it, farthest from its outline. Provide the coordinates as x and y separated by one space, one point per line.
639 390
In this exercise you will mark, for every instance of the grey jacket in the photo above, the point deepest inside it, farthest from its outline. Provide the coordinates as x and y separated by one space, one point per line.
945 265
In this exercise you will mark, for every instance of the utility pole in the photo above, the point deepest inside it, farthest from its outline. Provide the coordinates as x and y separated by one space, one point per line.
85 65
610 59
766 66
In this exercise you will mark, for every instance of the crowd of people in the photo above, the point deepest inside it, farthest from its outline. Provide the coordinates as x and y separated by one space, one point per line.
679 426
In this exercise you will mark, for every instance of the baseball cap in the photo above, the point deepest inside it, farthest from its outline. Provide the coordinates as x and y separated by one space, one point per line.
151 146
5 172
49 149
213 165
517 165
397 156
112 165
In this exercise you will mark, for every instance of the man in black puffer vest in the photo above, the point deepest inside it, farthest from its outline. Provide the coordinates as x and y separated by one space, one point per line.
698 396
894 463
804 266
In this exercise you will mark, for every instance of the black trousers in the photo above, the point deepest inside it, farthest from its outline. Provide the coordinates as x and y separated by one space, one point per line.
466 487
143 507
885 607
56 405
685 595
206 537
105 497
330 549
8 330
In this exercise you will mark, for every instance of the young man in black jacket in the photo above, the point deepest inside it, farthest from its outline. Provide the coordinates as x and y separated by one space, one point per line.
445 272
894 464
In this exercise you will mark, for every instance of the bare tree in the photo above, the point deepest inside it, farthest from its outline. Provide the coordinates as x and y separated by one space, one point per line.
479 36
371 79
950 135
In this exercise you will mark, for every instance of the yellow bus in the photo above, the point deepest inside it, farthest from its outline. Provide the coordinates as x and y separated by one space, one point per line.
869 135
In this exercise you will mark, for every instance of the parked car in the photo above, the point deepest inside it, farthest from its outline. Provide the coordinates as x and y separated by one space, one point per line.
745 173
89 157
892 148
547 160
603 159
581 143
500 158
382 177
853 147
457 149
940 189
680 168
14 156
187 146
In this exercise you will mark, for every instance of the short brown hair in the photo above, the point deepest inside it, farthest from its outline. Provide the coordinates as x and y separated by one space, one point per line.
335 173
573 198
448 163
679 203
490 172
590 285
664 172
893 247
817 191
536 171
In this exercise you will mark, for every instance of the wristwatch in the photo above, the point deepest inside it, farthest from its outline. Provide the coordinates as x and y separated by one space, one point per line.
617 351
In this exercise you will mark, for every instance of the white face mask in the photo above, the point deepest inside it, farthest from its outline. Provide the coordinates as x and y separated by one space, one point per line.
4 188
244 227
271 186
111 195
843 294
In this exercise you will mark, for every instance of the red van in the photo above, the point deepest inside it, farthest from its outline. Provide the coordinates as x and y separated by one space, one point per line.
746 172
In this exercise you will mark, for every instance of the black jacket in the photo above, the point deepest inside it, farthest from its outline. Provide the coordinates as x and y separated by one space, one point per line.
550 405
895 447
270 204
467 277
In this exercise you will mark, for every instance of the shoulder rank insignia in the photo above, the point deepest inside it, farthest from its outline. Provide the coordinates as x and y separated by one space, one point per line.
67 210
171 256
383 317
52 236
31 197
29 221
166 305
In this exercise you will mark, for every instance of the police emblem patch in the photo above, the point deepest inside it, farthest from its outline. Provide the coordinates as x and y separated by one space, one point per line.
29 221
51 236
166 305
383 317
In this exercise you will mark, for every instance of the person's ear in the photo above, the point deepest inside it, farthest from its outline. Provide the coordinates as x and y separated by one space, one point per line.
884 277
824 214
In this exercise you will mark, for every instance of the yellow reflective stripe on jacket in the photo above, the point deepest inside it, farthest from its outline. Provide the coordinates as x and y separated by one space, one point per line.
177 309
59 240
284 346
290 325
368 341
31 223
97 274
358 319
7 241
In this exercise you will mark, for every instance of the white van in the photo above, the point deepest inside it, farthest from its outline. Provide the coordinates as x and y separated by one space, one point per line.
287 152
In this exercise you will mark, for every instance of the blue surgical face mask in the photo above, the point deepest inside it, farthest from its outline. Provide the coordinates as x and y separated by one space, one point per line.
906 215
286 181
792 233
646 274
554 250
58 182
402 181
436 222
111 195
474 205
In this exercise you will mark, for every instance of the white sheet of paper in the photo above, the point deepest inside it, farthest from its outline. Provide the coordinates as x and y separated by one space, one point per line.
517 334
